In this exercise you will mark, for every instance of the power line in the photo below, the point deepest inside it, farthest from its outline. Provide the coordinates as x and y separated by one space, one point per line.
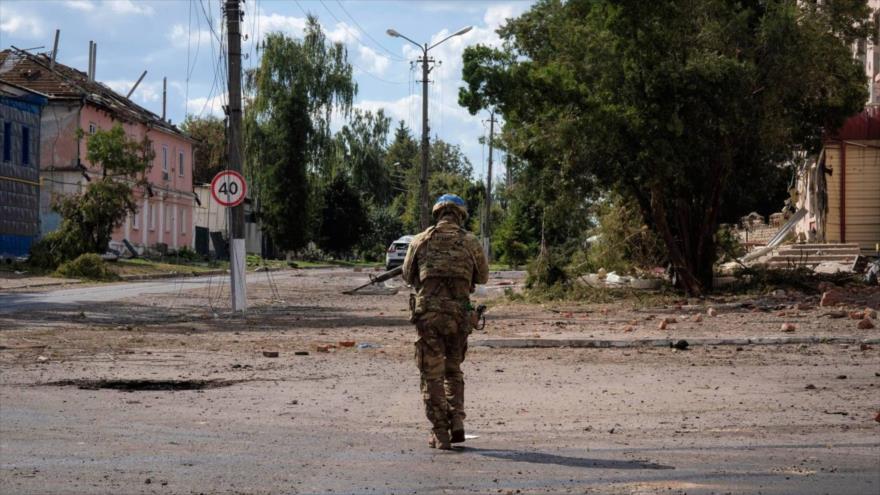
380 45
345 27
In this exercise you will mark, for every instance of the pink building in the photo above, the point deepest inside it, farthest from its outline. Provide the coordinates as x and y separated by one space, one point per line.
78 102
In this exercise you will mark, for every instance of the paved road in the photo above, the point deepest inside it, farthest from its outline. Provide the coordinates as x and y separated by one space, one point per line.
14 302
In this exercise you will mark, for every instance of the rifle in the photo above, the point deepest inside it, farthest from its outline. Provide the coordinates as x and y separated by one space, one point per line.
377 279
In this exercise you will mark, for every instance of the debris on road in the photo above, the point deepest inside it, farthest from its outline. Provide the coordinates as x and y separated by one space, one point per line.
368 345
866 324
712 312
301 353
681 345
788 327
346 343
270 354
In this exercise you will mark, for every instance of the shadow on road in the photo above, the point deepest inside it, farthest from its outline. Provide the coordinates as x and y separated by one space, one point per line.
578 462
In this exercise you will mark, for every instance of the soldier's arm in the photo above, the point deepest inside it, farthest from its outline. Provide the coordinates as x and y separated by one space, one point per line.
410 266
481 265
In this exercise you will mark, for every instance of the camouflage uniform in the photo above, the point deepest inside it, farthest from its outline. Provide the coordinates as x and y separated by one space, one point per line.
443 263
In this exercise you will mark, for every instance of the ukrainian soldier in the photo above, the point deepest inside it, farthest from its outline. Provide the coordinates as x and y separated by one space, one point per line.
444 263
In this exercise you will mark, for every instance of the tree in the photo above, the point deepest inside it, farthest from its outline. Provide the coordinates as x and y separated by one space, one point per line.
88 219
401 157
295 90
343 218
362 143
209 151
670 103
449 159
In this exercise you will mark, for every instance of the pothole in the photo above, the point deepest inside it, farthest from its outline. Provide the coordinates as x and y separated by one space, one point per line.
145 385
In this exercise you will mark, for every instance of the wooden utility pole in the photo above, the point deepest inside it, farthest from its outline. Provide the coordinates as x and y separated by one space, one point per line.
236 215
487 212
424 202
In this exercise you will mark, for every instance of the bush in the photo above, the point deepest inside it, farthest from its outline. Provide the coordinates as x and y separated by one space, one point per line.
55 248
621 242
547 270
187 254
89 266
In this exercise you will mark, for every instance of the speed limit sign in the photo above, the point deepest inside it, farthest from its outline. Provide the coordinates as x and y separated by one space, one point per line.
228 188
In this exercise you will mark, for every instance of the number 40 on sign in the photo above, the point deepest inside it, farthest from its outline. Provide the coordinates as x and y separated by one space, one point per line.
229 188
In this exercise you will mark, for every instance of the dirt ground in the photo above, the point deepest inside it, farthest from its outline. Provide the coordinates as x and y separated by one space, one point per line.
169 393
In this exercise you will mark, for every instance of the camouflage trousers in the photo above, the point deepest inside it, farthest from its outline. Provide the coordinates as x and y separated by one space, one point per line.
440 350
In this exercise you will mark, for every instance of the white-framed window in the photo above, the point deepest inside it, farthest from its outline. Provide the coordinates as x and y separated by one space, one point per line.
93 127
153 218
165 158
135 223
180 164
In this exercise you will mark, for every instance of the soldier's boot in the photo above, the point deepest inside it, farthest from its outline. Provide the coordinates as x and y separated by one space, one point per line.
439 440
457 429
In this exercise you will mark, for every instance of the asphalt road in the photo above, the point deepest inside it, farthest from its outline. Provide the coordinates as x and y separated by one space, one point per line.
18 301
758 420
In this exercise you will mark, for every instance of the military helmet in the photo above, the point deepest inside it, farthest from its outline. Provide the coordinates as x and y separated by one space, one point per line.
450 201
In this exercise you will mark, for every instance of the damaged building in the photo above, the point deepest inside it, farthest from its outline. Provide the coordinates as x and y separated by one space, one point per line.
77 106
20 112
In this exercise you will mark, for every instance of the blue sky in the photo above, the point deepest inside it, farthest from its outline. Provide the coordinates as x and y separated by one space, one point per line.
172 38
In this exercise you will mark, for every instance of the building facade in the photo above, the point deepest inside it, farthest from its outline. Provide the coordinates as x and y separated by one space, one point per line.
20 112
77 107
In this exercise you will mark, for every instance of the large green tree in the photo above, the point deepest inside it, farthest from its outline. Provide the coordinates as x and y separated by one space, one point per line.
362 144
678 104
89 218
209 151
292 95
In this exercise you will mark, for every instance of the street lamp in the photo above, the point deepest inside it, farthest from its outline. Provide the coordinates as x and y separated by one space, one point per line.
424 204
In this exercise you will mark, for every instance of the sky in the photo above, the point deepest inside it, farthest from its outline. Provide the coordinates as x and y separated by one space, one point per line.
179 39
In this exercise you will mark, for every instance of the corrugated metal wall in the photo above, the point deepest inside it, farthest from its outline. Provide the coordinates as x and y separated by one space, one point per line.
19 181
860 222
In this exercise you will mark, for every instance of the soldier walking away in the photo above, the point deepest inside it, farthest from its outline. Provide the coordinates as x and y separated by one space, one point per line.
444 263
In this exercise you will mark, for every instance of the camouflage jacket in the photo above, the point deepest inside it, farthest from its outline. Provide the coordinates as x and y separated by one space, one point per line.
445 262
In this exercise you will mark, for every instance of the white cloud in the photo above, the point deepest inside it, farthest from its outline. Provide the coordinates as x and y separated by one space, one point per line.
400 109
26 25
497 14
205 106
373 61
84 5
146 93
129 7
178 37
266 23
342 33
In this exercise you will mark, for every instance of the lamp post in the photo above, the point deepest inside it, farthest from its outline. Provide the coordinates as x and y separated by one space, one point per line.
424 205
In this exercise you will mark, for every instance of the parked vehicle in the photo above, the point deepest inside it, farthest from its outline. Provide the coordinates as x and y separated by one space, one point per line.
397 252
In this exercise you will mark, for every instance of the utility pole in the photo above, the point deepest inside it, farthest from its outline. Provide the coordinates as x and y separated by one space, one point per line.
236 216
487 214
424 202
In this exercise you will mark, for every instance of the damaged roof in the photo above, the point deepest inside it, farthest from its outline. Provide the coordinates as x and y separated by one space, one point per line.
35 73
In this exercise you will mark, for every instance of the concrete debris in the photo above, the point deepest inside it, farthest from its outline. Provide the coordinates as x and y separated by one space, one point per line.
662 325
870 313
697 318
810 387
712 312
857 315
788 327
42 358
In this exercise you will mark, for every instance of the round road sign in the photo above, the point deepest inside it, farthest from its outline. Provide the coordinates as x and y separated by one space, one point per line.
228 188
